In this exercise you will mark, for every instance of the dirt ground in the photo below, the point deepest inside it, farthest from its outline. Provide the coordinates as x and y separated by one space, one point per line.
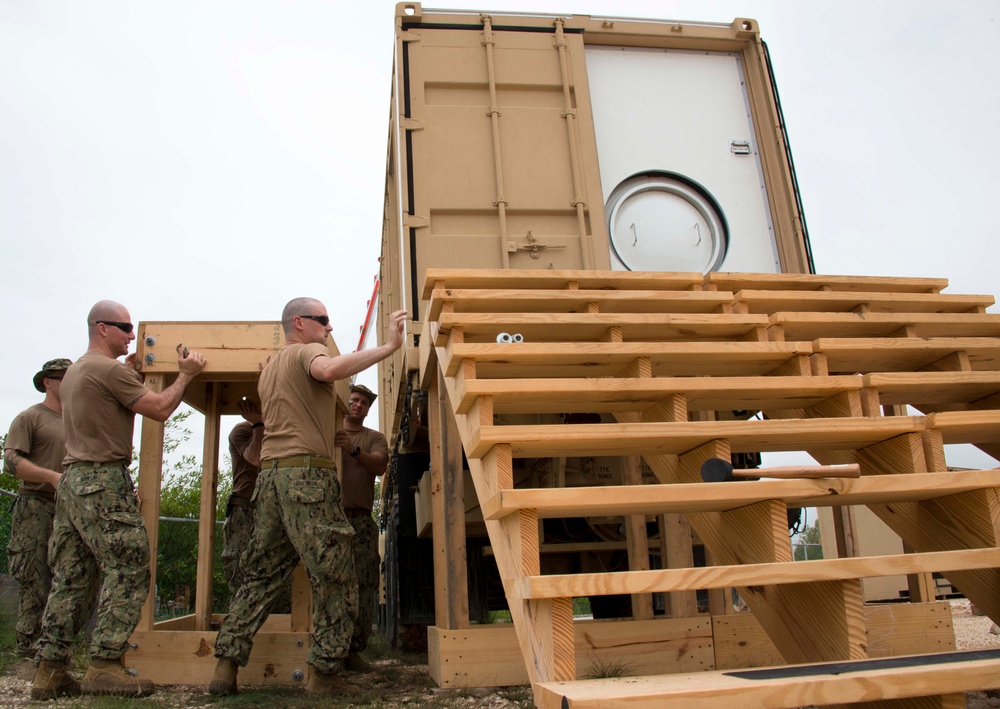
395 683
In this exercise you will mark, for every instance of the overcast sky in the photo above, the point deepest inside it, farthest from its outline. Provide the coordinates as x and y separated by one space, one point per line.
211 160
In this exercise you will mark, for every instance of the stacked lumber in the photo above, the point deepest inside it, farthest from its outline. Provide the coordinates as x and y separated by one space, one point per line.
878 372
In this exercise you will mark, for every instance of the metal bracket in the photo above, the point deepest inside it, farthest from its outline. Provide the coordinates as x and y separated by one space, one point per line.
533 247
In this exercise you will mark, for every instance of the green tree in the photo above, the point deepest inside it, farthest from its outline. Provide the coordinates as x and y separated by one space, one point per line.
808 545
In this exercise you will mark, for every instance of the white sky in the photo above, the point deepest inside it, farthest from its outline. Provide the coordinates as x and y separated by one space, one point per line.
211 160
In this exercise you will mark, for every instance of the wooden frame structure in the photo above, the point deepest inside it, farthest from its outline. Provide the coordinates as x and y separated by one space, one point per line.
831 362
179 651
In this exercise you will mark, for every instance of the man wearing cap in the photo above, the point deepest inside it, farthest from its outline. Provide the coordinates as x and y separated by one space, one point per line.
299 511
34 451
365 457
97 530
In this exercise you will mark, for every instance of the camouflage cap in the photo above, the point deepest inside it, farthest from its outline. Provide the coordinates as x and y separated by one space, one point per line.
366 391
60 364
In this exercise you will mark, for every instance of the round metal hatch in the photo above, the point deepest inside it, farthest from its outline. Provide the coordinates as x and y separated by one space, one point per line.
660 221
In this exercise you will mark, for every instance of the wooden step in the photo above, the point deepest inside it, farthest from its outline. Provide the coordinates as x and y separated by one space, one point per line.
576 327
557 440
967 426
770 574
918 388
810 282
559 280
607 394
881 354
812 326
785 687
770 301
598 359
708 497
500 300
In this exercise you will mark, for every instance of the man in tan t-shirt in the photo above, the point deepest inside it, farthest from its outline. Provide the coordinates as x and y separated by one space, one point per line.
366 455
299 513
97 528
33 452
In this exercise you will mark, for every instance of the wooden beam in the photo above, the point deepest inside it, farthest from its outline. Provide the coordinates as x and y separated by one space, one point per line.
206 515
451 591
150 479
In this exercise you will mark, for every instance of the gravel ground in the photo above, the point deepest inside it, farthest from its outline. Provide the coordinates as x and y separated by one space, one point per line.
397 684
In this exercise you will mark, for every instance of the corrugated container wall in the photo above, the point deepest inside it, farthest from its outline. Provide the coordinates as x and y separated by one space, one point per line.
553 142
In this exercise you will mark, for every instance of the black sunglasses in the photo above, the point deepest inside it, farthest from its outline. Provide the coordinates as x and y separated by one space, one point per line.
323 320
125 327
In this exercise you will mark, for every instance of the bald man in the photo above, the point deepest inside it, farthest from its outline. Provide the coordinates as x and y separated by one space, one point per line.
97 528
299 508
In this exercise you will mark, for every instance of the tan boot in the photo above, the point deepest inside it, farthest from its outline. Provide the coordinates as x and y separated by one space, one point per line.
329 684
52 680
356 663
223 681
112 677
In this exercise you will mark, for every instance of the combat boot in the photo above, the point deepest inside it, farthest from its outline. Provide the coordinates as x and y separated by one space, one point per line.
223 681
329 684
52 680
112 677
356 663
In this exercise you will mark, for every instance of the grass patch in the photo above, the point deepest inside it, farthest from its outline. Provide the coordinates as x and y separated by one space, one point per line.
607 668
380 649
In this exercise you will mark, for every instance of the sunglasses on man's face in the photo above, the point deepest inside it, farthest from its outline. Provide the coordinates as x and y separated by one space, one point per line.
125 327
323 320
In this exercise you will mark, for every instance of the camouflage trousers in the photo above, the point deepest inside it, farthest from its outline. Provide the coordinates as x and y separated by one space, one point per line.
97 533
299 515
366 566
28 562
236 533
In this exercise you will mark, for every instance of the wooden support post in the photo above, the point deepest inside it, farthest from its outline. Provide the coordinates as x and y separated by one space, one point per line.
150 477
676 553
451 595
206 514
637 539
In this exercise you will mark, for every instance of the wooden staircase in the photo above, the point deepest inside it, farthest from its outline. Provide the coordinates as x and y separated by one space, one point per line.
668 361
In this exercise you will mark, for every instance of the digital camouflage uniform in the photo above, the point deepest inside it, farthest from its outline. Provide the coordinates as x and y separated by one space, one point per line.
28 562
366 567
359 495
98 532
299 515
238 527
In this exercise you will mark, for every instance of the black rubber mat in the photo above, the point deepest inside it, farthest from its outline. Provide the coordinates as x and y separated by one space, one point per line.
885 663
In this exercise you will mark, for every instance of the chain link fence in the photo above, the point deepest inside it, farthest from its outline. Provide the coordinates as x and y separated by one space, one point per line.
176 565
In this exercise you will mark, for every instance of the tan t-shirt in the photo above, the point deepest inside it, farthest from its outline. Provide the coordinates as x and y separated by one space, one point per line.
299 410
359 484
38 433
244 472
96 393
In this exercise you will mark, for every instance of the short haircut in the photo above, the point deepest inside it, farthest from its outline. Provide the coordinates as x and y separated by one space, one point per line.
295 307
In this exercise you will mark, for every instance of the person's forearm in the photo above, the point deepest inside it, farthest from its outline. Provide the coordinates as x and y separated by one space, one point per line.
374 463
25 470
330 369
252 452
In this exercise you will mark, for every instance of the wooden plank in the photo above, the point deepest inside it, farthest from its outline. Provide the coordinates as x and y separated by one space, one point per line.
934 388
816 282
559 279
967 426
881 354
150 479
770 301
595 359
637 539
891 629
497 300
185 657
605 394
451 591
708 690
576 327
812 326
704 497
206 516
678 437
795 572
488 655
